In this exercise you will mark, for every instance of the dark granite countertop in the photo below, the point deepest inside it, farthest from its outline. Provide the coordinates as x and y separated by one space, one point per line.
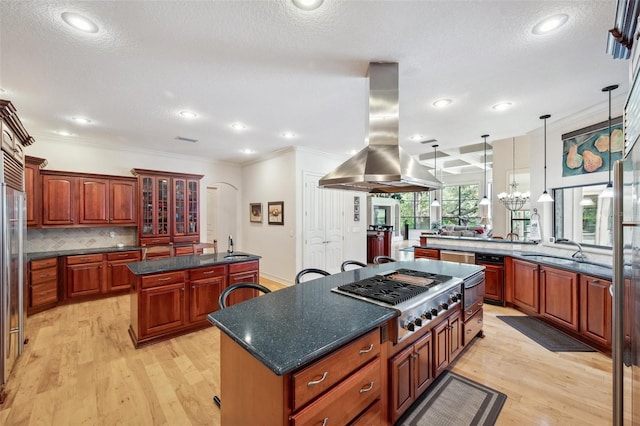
588 268
291 327
154 266
93 250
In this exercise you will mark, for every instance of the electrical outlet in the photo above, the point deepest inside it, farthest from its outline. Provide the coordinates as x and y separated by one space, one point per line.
112 234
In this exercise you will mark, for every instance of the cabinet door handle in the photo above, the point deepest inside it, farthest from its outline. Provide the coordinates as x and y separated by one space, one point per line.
363 390
469 330
325 421
366 351
208 272
315 382
164 279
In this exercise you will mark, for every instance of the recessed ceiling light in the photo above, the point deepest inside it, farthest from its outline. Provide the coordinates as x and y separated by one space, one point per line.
501 106
64 133
79 22
288 135
81 120
188 114
307 4
549 24
441 103
247 151
238 126
416 137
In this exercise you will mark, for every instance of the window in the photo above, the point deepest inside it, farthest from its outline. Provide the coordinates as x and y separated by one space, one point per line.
460 205
521 223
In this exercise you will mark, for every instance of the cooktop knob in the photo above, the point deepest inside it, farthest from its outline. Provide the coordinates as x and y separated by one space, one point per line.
445 306
418 322
434 312
411 326
459 296
427 315
453 298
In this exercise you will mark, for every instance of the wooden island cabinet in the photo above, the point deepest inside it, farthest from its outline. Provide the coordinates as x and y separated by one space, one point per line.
595 309
167 304
526 287
559 296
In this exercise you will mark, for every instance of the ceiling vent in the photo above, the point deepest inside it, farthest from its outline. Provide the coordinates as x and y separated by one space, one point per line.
183 139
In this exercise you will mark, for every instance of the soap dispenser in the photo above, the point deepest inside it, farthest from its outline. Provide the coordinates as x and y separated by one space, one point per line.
230 249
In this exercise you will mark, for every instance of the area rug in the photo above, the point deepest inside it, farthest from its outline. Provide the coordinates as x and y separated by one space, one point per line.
455 400
545 335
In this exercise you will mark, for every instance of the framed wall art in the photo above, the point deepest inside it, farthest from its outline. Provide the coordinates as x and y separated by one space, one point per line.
276 212
255 212
586 150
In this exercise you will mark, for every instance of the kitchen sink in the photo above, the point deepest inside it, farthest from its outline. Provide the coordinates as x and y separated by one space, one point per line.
236 256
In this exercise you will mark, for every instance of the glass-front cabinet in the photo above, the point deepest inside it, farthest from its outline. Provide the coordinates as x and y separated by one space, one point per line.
170 207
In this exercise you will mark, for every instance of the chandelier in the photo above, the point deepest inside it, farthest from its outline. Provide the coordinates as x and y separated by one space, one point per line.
514 200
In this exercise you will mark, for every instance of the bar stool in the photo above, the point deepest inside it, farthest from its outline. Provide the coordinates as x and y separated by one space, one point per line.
222 300
157 252
310 271
383 259
351 262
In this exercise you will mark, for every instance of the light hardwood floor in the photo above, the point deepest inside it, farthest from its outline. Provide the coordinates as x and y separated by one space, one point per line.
80 368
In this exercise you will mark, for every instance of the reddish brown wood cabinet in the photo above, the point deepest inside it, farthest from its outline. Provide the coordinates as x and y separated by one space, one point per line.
240 273
421 252
77 199
118 275
33 190
494 282
43 284
411 373
559 296
84 275
170 207
447 342
595 309
59 200
526 287
205 286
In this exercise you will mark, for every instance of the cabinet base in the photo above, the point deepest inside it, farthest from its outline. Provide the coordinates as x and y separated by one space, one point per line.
139 343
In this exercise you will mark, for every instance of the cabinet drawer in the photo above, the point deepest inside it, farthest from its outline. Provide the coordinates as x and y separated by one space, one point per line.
162 279
243 266
44 263
84 258
183 250
44 293
371 417
471 310
43 275
203 273
155 241
320 376
472 327
348 399
124 255
428 253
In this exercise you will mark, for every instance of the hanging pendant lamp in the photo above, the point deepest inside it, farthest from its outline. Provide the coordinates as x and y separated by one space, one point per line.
435 202
608 191
545 197
485 201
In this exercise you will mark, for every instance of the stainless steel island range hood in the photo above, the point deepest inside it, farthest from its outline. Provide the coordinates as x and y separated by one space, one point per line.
382 166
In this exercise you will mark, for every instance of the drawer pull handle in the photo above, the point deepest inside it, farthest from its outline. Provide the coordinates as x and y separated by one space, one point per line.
164 279
325 421
43 276
366 351
208 272
479 320
123 255
469 312
85 258
363 390
315 382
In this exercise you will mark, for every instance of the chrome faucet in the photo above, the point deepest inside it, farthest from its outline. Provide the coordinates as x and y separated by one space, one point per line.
578 255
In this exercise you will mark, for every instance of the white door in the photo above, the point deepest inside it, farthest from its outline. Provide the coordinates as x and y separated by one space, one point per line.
323 226
212 212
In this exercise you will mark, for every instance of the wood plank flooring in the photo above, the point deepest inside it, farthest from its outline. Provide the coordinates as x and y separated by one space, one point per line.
80 368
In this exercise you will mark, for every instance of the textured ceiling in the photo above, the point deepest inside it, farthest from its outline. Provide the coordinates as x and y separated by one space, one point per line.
277 68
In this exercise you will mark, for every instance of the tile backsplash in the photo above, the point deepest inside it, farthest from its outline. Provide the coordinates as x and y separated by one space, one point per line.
39 240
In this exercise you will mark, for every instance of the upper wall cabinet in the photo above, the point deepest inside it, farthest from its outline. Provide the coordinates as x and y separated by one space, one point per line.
78 199
33 190
170 207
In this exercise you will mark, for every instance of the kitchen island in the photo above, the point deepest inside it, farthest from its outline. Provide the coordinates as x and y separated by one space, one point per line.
172 296
305 353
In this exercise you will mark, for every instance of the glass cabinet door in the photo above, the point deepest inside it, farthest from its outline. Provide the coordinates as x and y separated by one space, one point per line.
193 207
147 206
179 192
163 206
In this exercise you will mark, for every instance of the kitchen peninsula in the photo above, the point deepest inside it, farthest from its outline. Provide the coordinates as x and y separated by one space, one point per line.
172 296
306 353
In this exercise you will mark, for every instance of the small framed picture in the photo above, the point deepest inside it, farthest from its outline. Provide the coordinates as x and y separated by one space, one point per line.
356 200
356 217
255 212
276 212
356 208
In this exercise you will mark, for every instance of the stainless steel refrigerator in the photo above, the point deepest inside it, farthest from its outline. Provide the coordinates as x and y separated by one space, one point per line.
12 307
626 288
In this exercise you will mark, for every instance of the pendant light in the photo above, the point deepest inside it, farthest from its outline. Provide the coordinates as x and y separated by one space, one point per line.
608 191
435 202
545 197
485 200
